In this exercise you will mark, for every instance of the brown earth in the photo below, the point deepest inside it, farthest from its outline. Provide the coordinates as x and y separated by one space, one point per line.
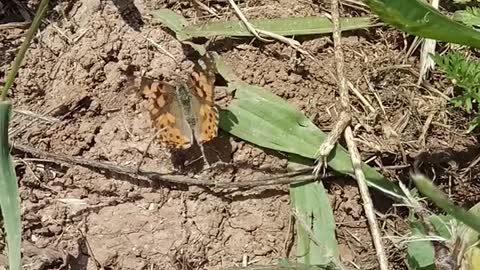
74 74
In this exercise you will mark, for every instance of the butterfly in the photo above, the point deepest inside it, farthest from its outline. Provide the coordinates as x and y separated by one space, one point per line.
186 112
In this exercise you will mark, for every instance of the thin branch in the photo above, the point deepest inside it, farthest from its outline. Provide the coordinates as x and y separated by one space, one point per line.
37 116
354 154
367 200
255 32
206 8
160 48
151 176
362 99
247 24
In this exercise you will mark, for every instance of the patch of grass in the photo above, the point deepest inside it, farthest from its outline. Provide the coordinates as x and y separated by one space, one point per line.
470 16
465 74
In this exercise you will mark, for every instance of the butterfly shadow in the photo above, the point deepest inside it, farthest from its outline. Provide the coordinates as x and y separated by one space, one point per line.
192 160
129 13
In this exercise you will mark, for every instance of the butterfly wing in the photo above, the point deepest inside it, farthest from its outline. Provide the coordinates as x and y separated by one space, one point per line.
167 113
202 83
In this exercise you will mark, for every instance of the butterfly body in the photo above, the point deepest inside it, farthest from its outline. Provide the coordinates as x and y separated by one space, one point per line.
185 112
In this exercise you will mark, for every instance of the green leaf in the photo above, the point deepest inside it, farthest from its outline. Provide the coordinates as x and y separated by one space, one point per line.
290 26
9 196
470 16
421 254
474 123
315 223
442 225
426 187
420 19
316 240
466 75
172 20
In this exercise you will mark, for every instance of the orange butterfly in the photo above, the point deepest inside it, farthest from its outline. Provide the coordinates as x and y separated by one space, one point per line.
185 112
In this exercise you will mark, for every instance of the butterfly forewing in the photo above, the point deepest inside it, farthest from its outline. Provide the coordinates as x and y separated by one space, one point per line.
202 83
167 113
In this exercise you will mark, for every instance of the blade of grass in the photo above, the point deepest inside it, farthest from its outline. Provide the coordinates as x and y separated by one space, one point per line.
282 26
316 243
9 196
427 188
418 18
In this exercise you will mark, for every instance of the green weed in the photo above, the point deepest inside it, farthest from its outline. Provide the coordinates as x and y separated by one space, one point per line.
465 74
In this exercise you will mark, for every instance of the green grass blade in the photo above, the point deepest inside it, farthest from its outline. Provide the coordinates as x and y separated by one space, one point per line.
315 223
9 196
283 26
418 18
427 188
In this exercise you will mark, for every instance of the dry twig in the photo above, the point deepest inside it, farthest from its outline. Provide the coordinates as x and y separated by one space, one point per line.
160 48
355 156
12 25
247 24
37 116
201 5
256 32
156 177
